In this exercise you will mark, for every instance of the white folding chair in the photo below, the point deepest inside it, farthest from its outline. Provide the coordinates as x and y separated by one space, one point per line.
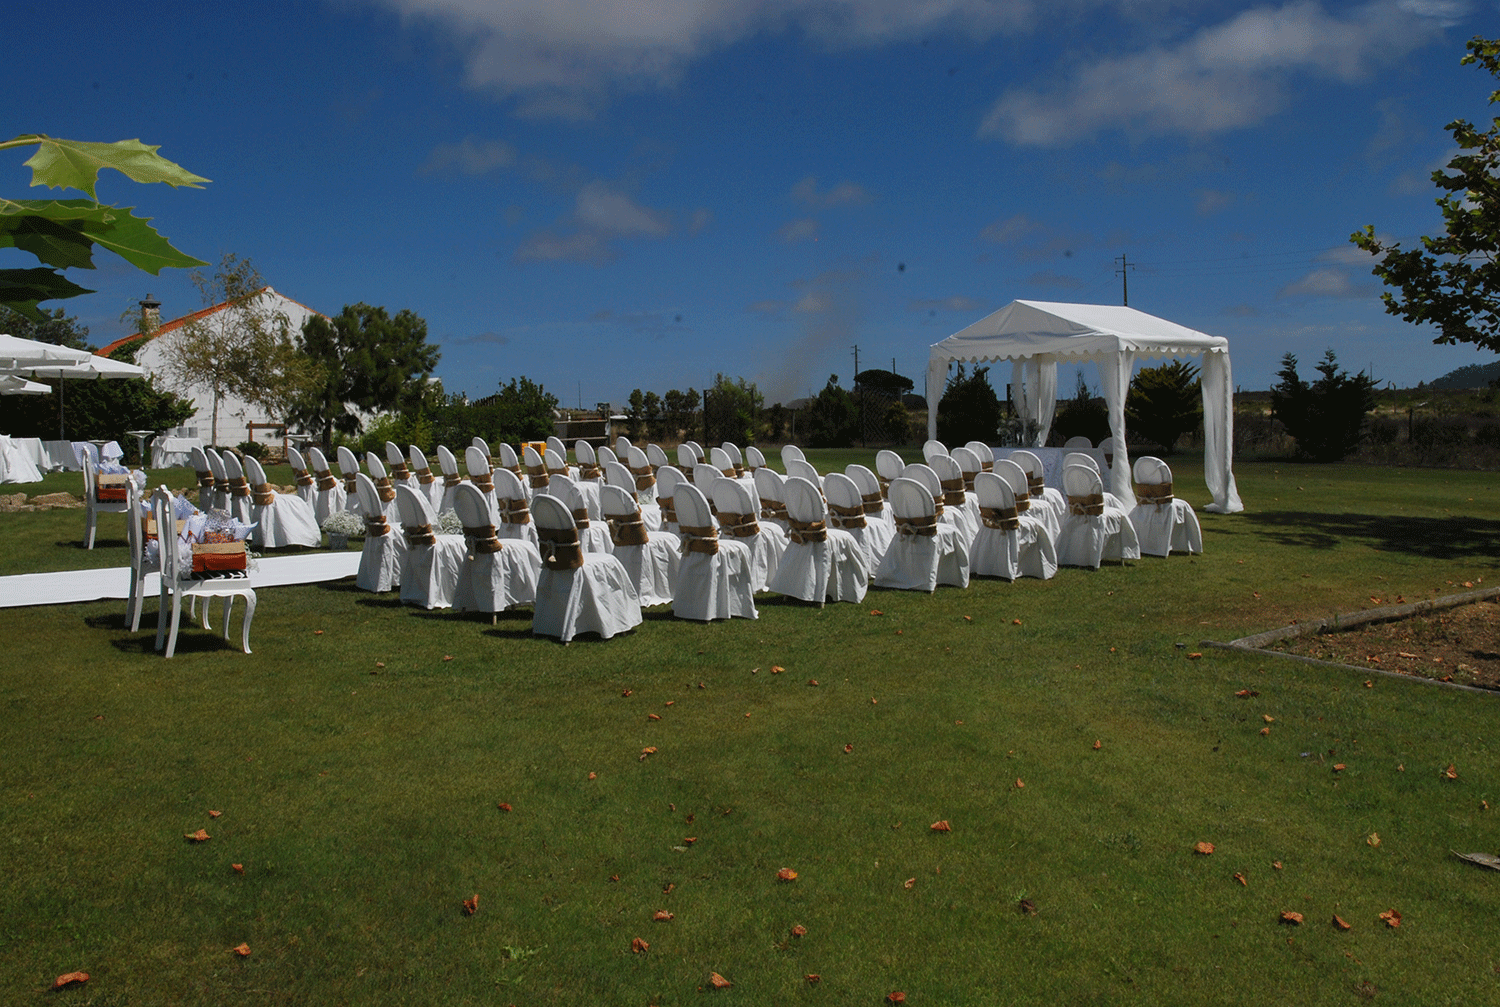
93 506
380 560
931 449
281 519
1007 545
496 575
770 488
1036 509
668 478
588 462
430 563
651 558
428 483
714 580
239 488
306 485
178 583
400 473
736 511
577 591
1162 522
205 479
328 495
820 563
1091 531
925 551
348 464
513 505
846 512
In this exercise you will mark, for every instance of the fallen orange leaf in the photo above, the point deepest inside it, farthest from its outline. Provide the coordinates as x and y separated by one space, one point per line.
1451 773
848 749
669 702
799 931
653 716
214 814
668 890
910 883
626 693
777 669
237 868
1204 848
896 997
648 750
380 664
942 826
503 806
317 632
593 776
471 905
1195 655
813 977
1098 744
786 874
719 982
1339 767
1295 919
1268 718
1373 839
197 837
69 978
614 877
1015 622
1468 583
447 657
689 840
1392 918
1339 923
1276 864
243 950
639 946
661 916
1265 731
1019 784
1369 684
876 611
968 618
1241 879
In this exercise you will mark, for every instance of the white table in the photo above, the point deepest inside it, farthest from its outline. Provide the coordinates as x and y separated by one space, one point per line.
169 452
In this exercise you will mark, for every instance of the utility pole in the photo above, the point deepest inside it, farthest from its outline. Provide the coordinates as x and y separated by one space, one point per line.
1124 273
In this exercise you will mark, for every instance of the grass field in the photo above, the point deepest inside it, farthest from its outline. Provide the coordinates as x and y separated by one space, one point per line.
362 800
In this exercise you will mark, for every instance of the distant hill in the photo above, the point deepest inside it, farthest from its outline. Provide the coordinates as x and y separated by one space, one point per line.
1472 376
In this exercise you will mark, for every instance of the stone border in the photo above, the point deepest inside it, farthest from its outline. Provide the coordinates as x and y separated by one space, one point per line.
1256 644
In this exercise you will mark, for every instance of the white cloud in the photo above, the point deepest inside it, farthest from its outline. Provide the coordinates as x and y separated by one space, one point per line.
601 209
1225 76
794 231
470 156
581 246
842 194
1210 201
1326 282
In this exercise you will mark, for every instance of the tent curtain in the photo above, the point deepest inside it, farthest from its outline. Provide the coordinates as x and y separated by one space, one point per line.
1115 370
1018 389
1046 397
1218 434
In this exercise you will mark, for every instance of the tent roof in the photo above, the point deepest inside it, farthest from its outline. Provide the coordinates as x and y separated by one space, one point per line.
1050 328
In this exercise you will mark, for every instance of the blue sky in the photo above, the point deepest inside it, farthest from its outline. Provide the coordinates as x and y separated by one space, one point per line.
606 194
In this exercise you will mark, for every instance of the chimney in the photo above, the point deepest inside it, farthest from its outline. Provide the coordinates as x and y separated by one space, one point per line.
150 314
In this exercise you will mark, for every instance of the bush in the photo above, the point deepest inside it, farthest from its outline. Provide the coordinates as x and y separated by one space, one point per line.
253 449
833 418
1164 403
1327 417
969 409
732 406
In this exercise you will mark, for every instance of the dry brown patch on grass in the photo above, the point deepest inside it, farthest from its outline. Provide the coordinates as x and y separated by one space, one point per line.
1459 645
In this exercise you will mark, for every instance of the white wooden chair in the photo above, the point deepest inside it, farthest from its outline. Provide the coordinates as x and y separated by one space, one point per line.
737 513
1091 531
668 478
770 489
281 519
931 449
1035 509
452 479
496 574
205 478
348 464
239 488
1162 522
328 496
307 485
427 482
514 507
178 583
651 558
821 563
925 551
141 565
395 461
431 562
380 560
846 512
1008 545
714 580
93 506
577 591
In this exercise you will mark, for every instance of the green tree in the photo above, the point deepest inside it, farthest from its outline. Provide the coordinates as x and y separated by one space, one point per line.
1084 415
832 420
732 406
45 326
1327 417
969 409
1453 280
367 362
1164 403
651 410
62 233
680 413
636 411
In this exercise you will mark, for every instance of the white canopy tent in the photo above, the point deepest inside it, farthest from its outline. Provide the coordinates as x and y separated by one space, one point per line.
1036 335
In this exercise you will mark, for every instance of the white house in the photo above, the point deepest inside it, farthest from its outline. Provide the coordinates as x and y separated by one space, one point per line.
235 415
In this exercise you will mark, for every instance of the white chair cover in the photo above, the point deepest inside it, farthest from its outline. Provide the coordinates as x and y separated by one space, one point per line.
449 478
644 469
925 552
770 491
605 454
431 563
307 487
880 528
714 580
481 477
239 488
348 469
328 491
1087 539
1078 442
510 460
496 575
1025 550
984 453
205 478
537 472
1111 501
959 508
288 520
686 457
846 512
514 506
426 482
1036 474
483 445
754 459
739 521
618 475
651 565
802 469
1032 508
395 462
588 463
789 452
383 482
704 477
622 446
655 456
820 563
380 560
595 596
1162 522
933 449
736 457
592 531
668 478
890 467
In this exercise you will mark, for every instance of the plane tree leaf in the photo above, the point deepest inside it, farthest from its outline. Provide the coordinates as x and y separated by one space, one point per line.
21 289
75 164
61 232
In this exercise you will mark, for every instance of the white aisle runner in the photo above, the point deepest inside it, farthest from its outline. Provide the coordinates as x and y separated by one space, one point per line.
68 586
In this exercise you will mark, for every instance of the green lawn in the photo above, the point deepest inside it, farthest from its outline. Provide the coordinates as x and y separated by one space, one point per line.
362 800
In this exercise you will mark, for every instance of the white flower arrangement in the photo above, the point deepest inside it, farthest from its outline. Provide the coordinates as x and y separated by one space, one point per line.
344 522
449 524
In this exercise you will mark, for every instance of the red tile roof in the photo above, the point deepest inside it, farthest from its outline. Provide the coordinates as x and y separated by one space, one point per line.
178 323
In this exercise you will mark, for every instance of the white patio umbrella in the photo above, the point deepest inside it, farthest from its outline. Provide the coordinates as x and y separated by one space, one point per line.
92 367
12 385
17 354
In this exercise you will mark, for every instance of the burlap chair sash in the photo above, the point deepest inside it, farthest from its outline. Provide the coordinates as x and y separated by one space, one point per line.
425 476
593 473
484 482
969 481
206 480
303 477
495 462
926 526
937 505
773 510
581 517
873 503
1023 504
704 539
451 479
729 473
803 532
885 487
986 464
738 525
1158 495
376 526
400 472
418 535
350 486
515 511
538 476
645 477
1000 518
482 539
953 492
386 491
846 517
628 529
1035 485
239 487
1089 506
668 512
262 495
560 548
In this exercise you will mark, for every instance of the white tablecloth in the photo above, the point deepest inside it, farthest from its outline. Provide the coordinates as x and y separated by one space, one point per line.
1052 461
173 452
16 465
61 457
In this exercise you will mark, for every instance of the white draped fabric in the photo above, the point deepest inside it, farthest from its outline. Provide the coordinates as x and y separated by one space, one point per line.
1037 335
15 465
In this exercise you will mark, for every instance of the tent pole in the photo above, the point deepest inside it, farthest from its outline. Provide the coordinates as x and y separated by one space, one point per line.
60 435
